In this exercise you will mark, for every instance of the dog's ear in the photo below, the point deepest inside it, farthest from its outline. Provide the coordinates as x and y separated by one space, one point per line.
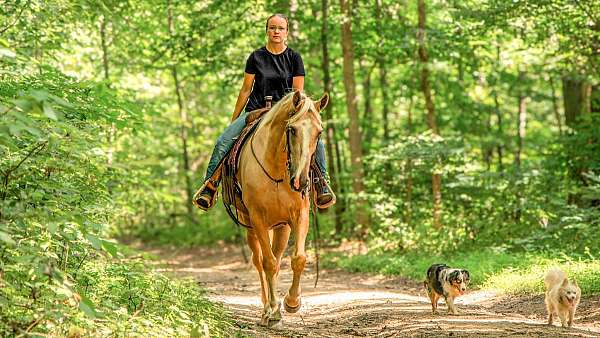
453 275
466 275
442 275
565 283
575 282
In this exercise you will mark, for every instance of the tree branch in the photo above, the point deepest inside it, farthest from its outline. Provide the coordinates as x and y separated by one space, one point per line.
586 11
16 19
33 151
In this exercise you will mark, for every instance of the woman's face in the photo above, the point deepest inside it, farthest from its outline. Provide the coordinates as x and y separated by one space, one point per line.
277 30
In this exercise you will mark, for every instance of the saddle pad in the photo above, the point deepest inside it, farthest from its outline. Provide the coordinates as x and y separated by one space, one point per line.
232 192
233 158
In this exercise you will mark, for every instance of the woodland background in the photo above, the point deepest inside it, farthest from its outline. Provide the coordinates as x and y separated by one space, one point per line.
466 130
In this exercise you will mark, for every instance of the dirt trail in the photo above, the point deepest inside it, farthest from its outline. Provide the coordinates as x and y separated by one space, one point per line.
349 304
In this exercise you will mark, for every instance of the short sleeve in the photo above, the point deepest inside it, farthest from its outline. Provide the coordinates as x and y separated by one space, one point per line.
298 67
251 64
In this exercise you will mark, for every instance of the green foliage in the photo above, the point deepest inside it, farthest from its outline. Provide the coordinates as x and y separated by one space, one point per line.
98 99
99 296
190 235
531 217
507 272
59 272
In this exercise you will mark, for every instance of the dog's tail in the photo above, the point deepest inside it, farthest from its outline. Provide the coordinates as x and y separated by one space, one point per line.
554 277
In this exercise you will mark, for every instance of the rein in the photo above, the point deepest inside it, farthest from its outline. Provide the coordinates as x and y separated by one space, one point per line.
277 181
288 163
316 237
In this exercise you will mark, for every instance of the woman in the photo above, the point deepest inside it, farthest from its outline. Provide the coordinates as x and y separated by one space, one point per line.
273 71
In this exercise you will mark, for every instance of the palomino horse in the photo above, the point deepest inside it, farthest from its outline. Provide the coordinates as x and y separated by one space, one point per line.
279 152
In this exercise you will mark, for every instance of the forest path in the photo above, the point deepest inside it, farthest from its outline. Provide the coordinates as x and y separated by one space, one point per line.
350 304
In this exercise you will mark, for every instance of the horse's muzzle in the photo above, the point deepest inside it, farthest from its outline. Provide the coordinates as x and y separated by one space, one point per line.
303 186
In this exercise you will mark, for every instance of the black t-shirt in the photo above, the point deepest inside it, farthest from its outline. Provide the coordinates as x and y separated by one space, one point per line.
273 75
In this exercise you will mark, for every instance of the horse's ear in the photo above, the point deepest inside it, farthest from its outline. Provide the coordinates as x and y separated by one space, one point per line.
297 99
323 102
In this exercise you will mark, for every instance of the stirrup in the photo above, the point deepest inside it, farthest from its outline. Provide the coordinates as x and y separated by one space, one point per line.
206 197
321 191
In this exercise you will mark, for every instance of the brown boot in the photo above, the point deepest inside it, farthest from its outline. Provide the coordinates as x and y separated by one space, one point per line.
324 196
206 196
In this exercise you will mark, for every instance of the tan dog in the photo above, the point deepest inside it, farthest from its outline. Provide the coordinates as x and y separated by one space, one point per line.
562 297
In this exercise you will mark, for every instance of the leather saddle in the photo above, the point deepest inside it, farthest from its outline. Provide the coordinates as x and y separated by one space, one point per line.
231 188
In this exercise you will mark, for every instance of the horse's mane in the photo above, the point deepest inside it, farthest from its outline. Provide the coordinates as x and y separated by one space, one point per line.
286 105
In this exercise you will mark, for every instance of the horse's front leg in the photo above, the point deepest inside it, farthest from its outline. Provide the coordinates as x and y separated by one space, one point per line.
281 236
271 315
292 300
258 263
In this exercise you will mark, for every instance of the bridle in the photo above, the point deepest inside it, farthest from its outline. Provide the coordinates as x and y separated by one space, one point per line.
288 162
277 181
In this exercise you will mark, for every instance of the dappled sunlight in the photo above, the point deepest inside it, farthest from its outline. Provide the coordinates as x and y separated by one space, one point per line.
224 267
356 304
331 298
470 320
476 297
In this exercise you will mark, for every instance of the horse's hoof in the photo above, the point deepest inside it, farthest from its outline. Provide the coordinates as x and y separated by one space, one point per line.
294 309
264 322
276 324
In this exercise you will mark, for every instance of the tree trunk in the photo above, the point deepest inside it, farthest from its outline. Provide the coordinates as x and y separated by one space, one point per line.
367 119
488 149
408 169
184 122
555 106
329 125
382 76
522 120
487 145
104 45
293 29
351 105
500 137
436 180
112 129
576 95
279 6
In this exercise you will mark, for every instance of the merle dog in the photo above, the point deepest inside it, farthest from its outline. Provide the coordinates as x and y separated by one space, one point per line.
443 281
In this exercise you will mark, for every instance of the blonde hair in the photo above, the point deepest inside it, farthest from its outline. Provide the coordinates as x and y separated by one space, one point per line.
287 22
286 104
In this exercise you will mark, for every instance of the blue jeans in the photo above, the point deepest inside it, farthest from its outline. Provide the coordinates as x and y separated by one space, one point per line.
228 138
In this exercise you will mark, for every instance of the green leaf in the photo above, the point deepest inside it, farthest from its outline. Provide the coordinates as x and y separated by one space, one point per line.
15 128
110 248
52 227
39 95
24 104
49 112
88 308
34 131
7 53
64 291
195 333
6 238
60 101
95 241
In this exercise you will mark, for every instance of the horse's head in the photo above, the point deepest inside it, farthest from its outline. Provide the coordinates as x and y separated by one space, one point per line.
302 133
